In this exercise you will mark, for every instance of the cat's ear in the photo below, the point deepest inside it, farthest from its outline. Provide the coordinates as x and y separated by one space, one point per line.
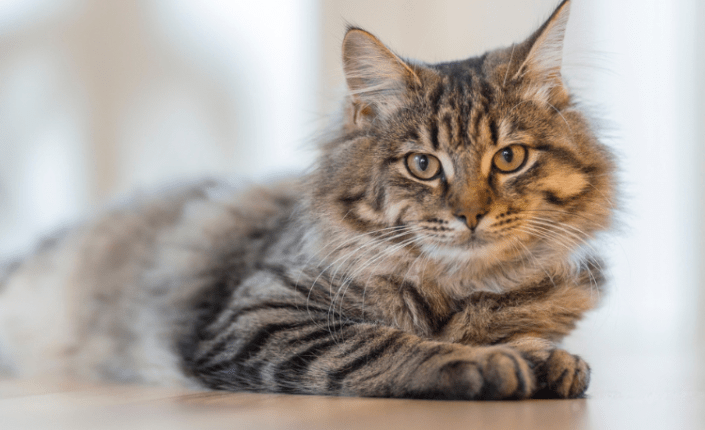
544 58
377 78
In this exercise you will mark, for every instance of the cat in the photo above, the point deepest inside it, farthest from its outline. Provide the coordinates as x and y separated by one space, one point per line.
439 248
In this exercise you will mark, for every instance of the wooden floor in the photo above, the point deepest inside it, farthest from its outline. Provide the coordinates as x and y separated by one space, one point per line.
627 392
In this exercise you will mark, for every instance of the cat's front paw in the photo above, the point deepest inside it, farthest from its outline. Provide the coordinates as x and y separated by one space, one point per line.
487 373
566 375
506 374
558 372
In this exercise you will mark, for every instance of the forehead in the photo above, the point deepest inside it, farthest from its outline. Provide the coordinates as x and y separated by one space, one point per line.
459 68
456 112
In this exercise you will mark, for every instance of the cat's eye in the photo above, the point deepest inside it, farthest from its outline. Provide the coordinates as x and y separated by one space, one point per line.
423 166
510 159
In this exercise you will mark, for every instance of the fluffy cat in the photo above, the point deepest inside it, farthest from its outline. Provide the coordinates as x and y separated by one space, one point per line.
438 249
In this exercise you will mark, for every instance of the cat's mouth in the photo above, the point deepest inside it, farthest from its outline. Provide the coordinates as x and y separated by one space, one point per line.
474 241
463 249
463 241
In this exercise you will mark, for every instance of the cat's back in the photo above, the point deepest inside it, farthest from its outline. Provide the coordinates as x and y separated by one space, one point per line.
109 298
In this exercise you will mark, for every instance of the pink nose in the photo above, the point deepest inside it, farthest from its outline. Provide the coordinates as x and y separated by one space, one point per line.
470 216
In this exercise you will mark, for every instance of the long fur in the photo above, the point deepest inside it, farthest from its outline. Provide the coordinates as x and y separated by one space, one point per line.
360 278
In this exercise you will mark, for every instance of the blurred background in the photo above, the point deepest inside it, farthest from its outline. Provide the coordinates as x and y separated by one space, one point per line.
101 98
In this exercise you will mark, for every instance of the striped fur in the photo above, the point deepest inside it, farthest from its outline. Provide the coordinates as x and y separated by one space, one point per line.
359 279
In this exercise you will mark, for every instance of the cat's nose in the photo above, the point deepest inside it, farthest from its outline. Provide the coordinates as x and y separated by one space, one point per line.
470 218
470 203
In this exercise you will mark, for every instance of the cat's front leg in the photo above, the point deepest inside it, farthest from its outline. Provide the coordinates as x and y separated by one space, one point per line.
557 372
549 309
275 348
531 321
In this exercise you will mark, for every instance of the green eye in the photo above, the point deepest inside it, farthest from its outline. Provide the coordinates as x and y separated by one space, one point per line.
510 159
423 166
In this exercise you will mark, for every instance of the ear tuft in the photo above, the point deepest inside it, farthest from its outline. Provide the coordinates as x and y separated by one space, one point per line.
545 57
377 78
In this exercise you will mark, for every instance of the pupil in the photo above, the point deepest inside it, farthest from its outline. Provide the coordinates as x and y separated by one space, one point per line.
508 155
422 161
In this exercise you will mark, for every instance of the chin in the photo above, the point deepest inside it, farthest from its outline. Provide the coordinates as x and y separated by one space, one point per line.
475 251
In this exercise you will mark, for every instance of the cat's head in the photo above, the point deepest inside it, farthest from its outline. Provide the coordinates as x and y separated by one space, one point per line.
481 160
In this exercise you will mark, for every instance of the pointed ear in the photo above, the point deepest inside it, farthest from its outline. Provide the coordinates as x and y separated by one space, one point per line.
377 78
543 62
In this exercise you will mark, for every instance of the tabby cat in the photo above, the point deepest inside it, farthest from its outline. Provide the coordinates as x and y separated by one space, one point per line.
440 248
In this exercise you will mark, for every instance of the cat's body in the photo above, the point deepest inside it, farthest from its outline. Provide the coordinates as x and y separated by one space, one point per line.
439 250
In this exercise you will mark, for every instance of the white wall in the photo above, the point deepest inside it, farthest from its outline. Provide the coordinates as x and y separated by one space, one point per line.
99 98
698 94
643 77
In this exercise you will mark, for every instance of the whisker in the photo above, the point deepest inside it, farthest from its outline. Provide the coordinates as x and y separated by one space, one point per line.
381 256
580 236
389 234
349 277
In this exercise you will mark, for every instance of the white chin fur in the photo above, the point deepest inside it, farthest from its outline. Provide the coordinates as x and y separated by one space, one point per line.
455 255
